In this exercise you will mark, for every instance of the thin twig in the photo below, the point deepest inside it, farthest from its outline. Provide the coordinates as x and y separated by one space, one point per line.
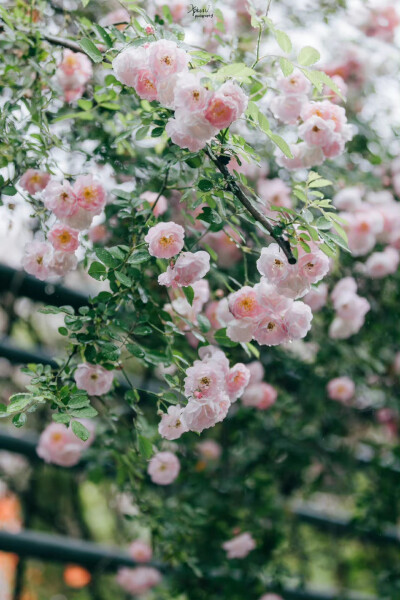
244 200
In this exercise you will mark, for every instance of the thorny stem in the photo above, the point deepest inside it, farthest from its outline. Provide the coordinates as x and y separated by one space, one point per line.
246 202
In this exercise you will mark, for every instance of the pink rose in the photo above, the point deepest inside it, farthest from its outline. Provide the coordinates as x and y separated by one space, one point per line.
162 203
189 93
172 424
146 85
260 395
60 446
288 108
209 450
189 268
36 260
127 64
237 381
64 238
298 320
341 389
165 59
348 199
256 371
241 330
304 156
94 379
205 412
33 181
273 264
62 263
204 380
239 546
317 132
138 580
140 551
91 195
274 192
164 468
381 264
313 266
317 297
271 332
295 84
60 199
165 240
190 130
226 105
81 219
244 303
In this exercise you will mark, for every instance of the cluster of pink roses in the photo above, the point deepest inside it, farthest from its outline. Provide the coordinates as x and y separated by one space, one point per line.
210 387
293 281
74 206
350 309
367 222
159 71
60 446
268 312
166 240
72 74
323 129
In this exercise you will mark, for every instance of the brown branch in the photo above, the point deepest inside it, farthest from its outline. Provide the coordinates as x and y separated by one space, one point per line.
71 45
244 200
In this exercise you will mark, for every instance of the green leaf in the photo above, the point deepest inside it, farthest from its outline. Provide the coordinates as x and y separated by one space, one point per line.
323 223
286 66
204 323
280 142
97 271
18 402
308 56
61 418
157 132
80 431
87 412
142 133
19 420
189 293
222 339
90 49
142 330
320 182
236 70
124 279
103 34
205 185
9 190
145 447
139 256
283 40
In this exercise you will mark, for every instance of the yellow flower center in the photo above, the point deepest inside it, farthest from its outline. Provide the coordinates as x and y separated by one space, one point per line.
166 240
89 193
167 60
247 303
57 437
64 237
271 326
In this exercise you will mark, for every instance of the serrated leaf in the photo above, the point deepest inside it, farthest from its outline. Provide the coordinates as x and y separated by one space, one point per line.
97 270
308 56
320 182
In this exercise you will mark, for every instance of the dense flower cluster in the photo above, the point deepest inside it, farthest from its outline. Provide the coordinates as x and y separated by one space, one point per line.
210 387
258 393
159 71
75 206
369 221
323 125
